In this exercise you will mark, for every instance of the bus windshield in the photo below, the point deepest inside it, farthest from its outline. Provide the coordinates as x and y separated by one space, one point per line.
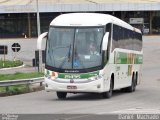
74 48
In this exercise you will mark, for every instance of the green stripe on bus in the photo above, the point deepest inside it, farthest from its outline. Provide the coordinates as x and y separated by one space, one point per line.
77 76
138 59
120 58
127 58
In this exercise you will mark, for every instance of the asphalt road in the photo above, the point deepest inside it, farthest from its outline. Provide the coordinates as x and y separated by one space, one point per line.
146 99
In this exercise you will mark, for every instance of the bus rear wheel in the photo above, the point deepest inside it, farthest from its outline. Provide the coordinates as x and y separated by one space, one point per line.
132 88
108 94
61 95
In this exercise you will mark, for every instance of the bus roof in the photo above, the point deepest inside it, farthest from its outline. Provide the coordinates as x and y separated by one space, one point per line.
89 19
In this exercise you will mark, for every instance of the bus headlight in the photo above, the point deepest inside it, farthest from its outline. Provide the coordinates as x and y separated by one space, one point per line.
95 77
51 75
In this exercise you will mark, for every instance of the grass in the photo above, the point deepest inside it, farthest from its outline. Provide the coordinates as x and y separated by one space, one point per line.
18 89
8 63
19 75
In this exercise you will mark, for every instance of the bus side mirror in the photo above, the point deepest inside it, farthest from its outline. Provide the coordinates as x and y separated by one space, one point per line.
105 41
41 42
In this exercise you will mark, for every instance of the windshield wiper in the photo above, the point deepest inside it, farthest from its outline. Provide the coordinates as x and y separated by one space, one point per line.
69 53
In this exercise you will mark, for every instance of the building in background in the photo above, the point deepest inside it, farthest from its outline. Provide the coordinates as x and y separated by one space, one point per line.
18 17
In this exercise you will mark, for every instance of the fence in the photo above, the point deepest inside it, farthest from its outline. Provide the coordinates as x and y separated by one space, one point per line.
8 83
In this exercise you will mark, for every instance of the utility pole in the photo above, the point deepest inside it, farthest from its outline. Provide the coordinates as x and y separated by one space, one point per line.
39 32
38 19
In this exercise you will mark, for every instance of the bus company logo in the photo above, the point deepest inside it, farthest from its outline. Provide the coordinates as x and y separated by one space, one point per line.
71 81
72 76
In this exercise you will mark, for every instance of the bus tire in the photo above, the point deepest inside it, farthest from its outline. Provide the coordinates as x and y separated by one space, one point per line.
61 95
108 94
132 88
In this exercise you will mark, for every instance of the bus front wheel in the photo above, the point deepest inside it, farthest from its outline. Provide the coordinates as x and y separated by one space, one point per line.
108 94
61 95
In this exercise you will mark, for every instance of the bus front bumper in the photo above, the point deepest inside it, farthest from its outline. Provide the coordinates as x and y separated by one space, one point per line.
92 86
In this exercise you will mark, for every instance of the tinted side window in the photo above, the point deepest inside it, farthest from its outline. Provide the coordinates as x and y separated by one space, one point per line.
115 37
126 39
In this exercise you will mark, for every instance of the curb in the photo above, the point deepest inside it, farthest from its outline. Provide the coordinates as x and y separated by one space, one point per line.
12 67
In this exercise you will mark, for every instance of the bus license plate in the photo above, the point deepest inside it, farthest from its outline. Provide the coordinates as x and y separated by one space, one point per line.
71 87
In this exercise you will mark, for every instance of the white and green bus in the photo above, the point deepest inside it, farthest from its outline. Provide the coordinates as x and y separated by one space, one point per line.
114 63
